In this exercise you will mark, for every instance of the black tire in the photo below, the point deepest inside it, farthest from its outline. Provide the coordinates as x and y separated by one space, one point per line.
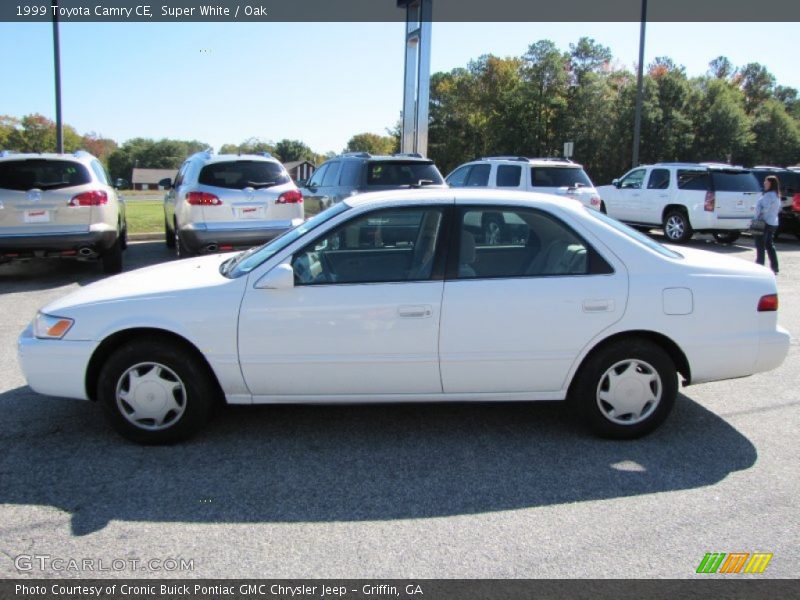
677 228
123 240
169 235
112 258
603 208
181 251
726 237
167 364
640 366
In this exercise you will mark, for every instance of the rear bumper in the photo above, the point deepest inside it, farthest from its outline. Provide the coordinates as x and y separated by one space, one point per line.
197 237
47 244
773 347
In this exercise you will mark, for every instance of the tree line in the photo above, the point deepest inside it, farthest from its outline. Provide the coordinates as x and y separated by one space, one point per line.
530 105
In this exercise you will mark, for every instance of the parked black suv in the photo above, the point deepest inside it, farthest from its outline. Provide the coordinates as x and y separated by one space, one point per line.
790 197
358 172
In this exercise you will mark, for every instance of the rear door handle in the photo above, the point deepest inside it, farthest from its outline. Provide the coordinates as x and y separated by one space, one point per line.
415 311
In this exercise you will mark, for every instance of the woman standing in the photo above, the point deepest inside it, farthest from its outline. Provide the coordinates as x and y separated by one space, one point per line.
768 208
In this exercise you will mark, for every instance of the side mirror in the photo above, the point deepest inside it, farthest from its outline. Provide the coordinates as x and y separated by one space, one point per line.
165 183
615 183
279 278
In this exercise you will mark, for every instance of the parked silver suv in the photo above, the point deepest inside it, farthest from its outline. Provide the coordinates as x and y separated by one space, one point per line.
226 201
60 206
557 176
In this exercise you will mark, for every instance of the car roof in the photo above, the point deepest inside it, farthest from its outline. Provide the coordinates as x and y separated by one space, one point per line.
540 161
79 156
458 196
397 157
209 158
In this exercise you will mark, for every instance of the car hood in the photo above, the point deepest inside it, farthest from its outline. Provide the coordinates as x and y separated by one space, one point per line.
166 279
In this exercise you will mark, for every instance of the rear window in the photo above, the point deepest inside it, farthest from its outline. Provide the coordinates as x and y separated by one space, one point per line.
44 174
241 174
734 181
385 173
559 177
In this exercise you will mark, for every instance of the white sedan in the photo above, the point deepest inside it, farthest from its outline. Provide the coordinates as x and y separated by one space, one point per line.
399 297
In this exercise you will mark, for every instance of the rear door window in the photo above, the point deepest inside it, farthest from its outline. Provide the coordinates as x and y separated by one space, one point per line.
241 174
508 175
43 174
351 173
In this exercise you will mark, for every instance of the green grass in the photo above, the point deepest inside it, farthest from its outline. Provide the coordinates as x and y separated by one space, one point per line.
145 216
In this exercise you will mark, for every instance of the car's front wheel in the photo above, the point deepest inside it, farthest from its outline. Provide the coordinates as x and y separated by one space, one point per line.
155 391
626 389
676 227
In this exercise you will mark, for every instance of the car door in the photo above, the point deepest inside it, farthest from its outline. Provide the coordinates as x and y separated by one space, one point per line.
313 194
515 316
656 195
628 204
362 320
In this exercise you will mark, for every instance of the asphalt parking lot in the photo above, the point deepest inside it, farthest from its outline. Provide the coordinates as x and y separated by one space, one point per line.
436 491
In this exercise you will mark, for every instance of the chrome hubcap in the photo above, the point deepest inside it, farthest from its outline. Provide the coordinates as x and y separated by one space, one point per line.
151 396
629 392
675 228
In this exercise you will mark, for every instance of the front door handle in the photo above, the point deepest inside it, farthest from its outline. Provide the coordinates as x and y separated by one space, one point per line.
415 311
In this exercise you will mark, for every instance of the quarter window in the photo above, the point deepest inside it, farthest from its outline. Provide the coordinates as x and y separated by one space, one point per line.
693 180
389 245
520 242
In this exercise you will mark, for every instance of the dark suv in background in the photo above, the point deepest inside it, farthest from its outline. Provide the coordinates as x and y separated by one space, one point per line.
359 172
790 196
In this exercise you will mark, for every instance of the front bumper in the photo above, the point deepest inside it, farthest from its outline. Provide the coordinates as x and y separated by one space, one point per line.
55 367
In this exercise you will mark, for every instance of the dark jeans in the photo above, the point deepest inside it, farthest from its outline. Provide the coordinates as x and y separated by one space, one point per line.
765 241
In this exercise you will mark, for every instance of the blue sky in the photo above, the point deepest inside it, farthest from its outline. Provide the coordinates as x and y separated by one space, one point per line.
317 82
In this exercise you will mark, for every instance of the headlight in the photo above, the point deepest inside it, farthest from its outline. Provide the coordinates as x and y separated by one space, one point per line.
51 328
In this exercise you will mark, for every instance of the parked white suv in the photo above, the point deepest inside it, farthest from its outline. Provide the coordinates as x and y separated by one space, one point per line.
60 206
557 176
684 198
226 201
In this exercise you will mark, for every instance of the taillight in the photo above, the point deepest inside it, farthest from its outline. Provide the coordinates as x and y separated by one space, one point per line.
202 199
768 303
290 197
711 201
796 202
93 198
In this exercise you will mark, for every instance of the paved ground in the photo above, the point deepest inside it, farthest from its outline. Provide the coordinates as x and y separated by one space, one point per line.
402 491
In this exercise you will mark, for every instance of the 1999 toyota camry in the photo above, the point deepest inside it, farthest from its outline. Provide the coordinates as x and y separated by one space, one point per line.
421 295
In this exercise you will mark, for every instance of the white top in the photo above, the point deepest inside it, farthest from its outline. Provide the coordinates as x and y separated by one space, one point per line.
768 208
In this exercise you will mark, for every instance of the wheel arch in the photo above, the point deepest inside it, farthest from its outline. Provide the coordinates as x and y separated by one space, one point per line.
116 340
671 207
668 345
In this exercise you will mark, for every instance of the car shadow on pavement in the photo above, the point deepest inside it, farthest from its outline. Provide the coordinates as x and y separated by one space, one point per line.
347 463
49 273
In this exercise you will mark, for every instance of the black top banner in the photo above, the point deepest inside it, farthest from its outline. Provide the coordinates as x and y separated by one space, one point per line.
183 11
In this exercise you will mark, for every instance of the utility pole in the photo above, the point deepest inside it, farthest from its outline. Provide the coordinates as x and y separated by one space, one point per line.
416 91
637 121
57 67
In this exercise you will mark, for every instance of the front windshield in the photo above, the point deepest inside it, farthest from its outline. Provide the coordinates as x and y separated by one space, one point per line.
247 261
636 235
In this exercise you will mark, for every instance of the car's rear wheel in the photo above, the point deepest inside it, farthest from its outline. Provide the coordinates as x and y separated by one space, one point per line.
726 237
112 258
155 391
676 227
181 251
169 235
626 389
